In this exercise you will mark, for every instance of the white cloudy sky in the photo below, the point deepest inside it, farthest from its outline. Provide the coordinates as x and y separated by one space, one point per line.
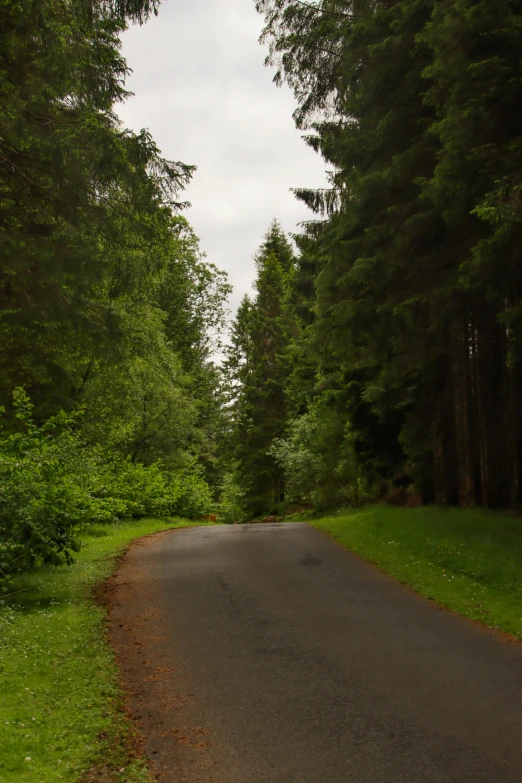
202 90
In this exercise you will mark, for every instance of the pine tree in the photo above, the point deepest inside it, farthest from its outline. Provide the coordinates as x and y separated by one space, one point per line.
476 89
83 203
256 362
415 105
362 94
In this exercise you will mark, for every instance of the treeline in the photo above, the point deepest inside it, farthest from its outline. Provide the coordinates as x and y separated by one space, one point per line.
109 313
396 368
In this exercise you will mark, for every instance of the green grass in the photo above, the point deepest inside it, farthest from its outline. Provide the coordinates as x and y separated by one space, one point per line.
60 705
468 560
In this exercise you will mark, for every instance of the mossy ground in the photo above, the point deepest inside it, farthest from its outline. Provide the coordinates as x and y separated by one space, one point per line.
60 705
468 560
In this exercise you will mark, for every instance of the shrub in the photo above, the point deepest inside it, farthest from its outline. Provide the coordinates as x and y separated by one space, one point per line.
318 461
52 484
232 502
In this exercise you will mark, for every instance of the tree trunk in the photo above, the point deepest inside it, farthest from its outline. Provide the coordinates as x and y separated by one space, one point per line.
492 410
462 407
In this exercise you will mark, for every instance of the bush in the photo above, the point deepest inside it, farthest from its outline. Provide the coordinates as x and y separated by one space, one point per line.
52 484
318 461
232 502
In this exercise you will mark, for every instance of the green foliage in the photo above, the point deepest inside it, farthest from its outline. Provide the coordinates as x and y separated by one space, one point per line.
109 313
232 503
52 485
40 507
257 374
193 497
407 284
300 457
322 460
81 199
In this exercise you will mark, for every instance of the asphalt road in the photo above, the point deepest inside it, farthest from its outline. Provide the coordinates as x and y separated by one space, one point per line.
268 653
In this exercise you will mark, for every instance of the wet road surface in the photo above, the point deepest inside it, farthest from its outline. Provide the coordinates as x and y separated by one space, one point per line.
267 652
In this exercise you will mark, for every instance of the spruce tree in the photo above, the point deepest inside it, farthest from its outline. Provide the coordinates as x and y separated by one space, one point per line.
362 94
256 362
415 106
83 203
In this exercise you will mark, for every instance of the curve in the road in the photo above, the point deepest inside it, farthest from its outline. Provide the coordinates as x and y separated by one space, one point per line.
268 653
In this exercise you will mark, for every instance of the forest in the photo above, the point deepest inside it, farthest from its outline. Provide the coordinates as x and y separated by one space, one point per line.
379 355
109 312
382 358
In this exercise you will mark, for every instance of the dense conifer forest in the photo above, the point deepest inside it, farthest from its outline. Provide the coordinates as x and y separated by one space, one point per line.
390 361
379 355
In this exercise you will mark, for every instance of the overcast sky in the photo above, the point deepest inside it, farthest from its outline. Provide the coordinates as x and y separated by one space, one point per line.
202 90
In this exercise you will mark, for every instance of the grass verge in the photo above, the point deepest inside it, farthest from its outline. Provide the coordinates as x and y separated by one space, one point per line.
468 560
60 704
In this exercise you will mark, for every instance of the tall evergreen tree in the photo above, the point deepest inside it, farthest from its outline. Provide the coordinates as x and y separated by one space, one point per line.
416 263
85 206
260 335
